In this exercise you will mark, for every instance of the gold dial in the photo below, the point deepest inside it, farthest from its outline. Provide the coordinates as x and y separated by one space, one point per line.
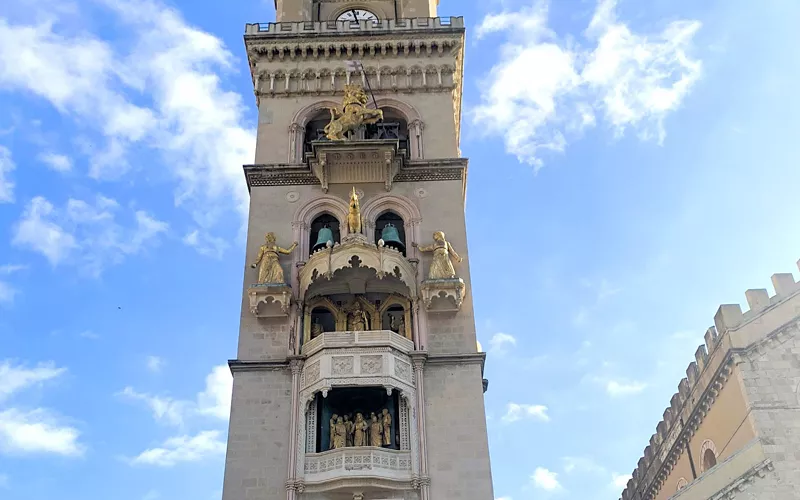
357 15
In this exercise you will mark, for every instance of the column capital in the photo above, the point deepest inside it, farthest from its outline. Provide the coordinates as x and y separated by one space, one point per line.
418 358
296 364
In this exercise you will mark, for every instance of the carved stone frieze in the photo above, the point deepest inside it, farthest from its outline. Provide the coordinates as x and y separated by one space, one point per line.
380 466
353 162
341 365
443 295
371 364
276 299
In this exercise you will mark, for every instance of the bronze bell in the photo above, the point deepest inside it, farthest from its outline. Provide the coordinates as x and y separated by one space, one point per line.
391 238
325 235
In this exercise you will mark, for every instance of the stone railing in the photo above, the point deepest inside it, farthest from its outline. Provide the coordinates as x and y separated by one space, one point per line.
735 471
305 28
361 462
373 338
707 375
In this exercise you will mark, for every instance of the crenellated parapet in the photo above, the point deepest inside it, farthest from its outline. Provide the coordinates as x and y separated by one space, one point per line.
734 333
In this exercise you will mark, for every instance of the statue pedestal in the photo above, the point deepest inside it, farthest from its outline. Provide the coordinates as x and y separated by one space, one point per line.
448 294
276 298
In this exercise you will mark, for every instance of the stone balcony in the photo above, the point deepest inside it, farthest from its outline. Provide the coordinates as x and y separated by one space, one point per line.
375 338
384 26
351 359
731 475
367 466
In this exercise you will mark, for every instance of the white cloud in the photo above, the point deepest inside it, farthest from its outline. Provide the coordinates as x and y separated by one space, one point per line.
155 363
582 465
37 431
164 408
546 88
57 162
214 401
170 70
84 234
14 378
205 244
619 481
619 388
183 449
500 341
545 479
6 166
515 412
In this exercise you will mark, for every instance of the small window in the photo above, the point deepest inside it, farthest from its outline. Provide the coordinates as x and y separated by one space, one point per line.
709 459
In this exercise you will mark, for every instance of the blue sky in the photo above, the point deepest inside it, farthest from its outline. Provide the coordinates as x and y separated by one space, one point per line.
632 166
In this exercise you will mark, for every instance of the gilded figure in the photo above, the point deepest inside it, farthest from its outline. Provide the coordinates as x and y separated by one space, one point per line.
333 429
441 265
269 267
359 431
386 420
349 426
316 329
375 431
354 215
357 318
352 114
339 436
398 324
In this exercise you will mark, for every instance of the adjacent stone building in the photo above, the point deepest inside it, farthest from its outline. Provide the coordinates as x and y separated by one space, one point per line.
733 428
357 374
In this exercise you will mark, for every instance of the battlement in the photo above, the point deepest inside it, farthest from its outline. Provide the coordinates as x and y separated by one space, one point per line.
365 27
733 331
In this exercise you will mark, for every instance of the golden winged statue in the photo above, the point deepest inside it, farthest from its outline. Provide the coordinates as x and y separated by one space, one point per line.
352 114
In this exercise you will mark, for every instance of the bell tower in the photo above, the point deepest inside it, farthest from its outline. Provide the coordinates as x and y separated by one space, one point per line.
357 374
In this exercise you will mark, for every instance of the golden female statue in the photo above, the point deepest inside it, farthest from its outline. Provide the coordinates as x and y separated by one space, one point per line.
375 431
270 270
340 431
359 431
441 266
354 215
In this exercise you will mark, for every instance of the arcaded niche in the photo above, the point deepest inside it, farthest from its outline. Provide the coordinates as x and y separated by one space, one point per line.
730 429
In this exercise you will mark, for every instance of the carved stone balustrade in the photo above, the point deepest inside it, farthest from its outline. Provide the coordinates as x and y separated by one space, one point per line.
275 298
378 467
348 359
443 295
356 161
353 253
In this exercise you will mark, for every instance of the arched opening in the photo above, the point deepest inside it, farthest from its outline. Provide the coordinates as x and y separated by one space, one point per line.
393 319
709 459
322 320
340 413
390 228
323 228
315 129
393 126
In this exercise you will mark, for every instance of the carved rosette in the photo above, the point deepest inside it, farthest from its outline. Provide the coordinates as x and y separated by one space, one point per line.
269 300
444 295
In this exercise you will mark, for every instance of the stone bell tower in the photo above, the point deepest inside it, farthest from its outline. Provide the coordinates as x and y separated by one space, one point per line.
357 374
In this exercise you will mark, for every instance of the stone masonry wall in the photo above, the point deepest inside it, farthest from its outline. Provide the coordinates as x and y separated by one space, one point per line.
458 448
770 373
258 436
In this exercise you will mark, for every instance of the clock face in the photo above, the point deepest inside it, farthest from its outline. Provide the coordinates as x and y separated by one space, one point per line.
357 15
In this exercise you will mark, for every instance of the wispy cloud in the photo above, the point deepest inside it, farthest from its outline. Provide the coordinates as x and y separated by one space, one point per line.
500 342
547 88
621 388
155 364
86 234
7 165
545 479
214 400
515 412
183 449
619 481
15 378
57 162
159 90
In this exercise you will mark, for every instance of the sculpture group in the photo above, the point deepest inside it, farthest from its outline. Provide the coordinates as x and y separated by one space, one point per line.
352 114
346 431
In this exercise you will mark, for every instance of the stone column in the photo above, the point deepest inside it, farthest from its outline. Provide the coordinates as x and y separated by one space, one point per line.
423 481
296 143
291 483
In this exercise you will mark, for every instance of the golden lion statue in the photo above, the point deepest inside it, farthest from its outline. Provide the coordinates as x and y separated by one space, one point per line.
352 114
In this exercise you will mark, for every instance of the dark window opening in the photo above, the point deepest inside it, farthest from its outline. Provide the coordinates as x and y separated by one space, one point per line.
323 229
346 403
389 228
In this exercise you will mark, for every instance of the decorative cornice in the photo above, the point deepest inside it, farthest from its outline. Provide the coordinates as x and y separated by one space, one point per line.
237 365
283 174
744 481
